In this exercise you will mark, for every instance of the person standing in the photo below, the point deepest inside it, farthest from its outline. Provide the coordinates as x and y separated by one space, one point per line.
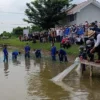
53 52
5 53
67 31
20 38
58 34
61 34
86 26
27 51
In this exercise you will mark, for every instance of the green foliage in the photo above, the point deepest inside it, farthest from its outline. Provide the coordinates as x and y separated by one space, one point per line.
17 31
44 46
5 34
45 13
36 29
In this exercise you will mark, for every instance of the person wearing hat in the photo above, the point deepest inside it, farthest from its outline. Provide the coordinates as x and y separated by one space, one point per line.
94 33
96 48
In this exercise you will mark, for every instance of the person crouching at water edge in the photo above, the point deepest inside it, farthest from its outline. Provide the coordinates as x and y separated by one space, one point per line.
82 56
53 52
5 53
15 54
27 51
37 53
62 55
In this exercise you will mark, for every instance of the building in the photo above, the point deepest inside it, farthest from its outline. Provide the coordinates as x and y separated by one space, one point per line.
85 11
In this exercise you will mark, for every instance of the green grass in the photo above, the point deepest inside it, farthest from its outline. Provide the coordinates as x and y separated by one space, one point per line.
44 46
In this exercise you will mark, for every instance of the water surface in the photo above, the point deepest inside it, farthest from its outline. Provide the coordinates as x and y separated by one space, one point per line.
29 79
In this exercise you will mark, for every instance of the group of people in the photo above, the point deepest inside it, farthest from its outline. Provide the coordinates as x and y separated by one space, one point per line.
15 53
61 53
87 34
92 44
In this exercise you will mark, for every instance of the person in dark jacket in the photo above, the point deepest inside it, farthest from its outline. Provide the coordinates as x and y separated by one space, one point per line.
89 46
27 51
5 53
83 56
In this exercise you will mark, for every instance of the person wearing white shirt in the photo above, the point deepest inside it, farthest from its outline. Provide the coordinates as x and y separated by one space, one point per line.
79 40
96 47
61 34
58 34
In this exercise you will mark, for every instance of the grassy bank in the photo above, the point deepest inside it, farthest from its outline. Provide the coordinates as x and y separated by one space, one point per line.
44 46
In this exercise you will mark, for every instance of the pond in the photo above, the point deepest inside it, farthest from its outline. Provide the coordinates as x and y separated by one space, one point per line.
29 79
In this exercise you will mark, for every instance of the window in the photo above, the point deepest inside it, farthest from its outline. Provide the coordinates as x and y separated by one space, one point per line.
72 17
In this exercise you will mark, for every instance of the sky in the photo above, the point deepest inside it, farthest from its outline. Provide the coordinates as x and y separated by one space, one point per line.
10 20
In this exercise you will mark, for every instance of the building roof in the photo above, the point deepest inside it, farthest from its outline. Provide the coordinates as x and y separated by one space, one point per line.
82 5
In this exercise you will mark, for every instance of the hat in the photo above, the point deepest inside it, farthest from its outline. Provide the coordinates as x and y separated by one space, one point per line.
90 33
86 33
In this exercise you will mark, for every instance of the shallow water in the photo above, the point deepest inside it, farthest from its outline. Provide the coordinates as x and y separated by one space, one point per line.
30 80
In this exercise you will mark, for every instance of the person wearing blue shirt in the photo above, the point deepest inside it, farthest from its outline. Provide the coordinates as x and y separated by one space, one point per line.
27 51
38 53
53 52
15 54
62 55
5 53
67 31
80 30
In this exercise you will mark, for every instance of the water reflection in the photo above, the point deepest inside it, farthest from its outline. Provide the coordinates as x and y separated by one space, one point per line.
36 85
6 67
41 85
92 85
16 62
27 64
73 88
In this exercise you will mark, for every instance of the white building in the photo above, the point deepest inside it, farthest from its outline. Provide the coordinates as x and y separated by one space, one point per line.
85 11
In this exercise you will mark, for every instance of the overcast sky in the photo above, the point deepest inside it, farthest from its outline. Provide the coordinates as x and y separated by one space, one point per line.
10 20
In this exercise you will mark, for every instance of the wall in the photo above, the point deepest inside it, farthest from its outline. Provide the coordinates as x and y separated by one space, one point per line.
67 22
64 21
90 13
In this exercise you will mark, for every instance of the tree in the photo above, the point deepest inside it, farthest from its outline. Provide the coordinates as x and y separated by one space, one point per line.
18 31
5 34
45 13
35 28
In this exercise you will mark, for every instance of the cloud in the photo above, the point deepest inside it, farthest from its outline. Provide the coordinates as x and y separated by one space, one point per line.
19 6
9 20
